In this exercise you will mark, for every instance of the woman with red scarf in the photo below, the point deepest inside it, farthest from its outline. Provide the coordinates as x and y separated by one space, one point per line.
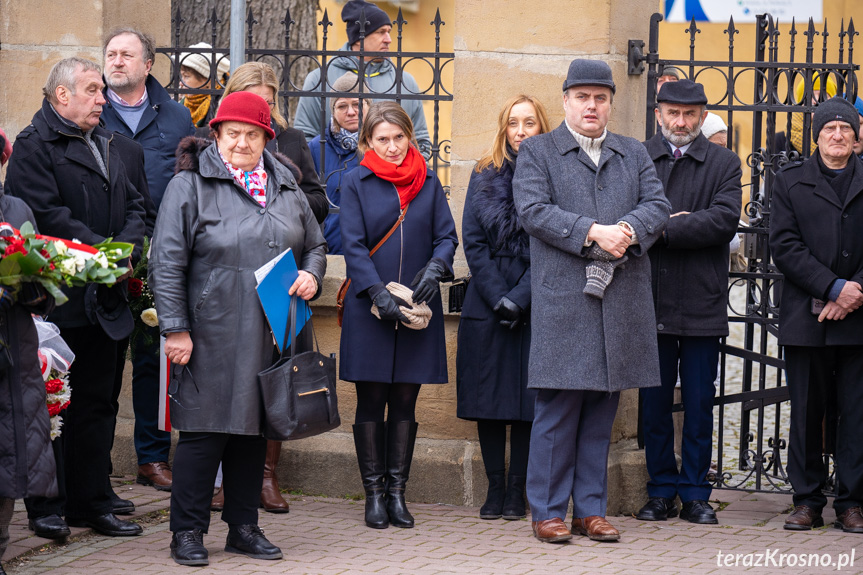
387 360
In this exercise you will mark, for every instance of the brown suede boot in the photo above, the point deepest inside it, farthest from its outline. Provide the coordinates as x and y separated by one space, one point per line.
271 497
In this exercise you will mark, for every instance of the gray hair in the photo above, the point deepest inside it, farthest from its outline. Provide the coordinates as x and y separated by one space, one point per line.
65 73
147 43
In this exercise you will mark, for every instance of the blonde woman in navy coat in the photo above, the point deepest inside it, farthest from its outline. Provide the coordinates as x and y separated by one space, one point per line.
494 332
387 361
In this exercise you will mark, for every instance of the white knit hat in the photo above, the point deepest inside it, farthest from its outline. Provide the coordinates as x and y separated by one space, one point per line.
419 313
200 63
712 124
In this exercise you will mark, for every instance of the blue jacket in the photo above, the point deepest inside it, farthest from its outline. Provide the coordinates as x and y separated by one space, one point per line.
379 350
159 132
337 162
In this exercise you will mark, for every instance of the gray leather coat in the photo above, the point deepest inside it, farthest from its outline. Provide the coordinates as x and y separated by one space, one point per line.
210 237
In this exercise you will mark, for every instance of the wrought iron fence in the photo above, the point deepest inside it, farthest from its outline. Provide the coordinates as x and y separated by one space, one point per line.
291 65
752 401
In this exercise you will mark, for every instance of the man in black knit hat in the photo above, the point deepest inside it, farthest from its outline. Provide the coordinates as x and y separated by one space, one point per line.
816 217
379 72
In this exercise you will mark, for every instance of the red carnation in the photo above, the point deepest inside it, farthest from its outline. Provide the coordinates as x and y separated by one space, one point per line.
53 386
15 247
54 409
136 287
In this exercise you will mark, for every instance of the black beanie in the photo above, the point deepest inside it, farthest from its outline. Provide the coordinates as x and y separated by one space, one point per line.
375 18
836 108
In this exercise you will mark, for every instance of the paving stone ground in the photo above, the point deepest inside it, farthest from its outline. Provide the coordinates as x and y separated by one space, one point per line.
328 536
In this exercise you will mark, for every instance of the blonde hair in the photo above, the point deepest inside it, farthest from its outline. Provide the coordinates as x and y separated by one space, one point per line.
498 153
386 111
253 74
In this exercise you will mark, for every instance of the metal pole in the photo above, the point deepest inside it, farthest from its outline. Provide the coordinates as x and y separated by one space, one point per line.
238 39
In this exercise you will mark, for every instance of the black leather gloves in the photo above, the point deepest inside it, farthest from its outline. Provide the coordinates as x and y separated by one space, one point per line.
387 303
426 283
509 312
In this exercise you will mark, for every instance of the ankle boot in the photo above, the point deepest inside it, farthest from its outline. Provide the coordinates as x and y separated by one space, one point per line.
271 496
401 437
513 505
369 441
218 502
493 505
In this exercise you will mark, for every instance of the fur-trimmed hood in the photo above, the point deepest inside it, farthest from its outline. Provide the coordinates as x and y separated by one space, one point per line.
495 210
191 147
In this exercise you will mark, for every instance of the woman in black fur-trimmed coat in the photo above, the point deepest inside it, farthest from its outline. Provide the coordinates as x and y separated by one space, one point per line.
494 332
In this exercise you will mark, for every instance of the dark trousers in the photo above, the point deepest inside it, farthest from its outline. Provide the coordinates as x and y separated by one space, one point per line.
88 428
696 359
492 443
196 461
151 443
569 453
812 374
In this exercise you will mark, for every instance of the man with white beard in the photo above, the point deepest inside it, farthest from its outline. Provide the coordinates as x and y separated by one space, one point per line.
689 265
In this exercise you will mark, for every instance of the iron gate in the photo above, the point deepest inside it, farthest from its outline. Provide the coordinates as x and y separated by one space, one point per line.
287 60
752 402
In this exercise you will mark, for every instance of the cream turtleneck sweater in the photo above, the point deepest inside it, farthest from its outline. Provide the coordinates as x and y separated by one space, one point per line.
593 146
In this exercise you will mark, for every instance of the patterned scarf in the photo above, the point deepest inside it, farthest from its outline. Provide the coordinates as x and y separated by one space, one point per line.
198 105
345 139
254 182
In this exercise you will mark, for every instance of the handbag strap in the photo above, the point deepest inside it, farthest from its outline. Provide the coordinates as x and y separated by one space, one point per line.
392 230
291 327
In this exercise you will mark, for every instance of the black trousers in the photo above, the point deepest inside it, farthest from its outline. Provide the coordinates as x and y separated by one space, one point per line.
88 428
196 462
813 374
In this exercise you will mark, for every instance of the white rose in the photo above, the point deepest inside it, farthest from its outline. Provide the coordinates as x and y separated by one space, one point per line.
60 248
67 266
80 262
149 317
101 259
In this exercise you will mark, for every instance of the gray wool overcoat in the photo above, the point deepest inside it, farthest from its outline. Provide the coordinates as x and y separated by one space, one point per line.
580 342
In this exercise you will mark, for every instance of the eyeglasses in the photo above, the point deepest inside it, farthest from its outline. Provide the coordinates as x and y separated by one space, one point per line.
344 106
272 105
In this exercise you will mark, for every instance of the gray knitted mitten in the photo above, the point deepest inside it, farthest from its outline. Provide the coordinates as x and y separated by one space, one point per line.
600 272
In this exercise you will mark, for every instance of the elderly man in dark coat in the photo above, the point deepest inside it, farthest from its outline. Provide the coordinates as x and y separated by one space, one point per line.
690 280
71 174
817 215
579 189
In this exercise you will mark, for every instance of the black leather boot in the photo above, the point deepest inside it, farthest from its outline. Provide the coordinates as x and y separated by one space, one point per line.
513 505
401 437
493 505
369 441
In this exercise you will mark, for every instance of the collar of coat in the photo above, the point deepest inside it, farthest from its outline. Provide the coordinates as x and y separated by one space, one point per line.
495 210
565 143
365 172
51 128
810 175
200 156
697 151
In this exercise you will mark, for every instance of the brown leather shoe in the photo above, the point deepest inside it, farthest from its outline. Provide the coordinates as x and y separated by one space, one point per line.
851 521
803 518
218 502
596 528
271 496
551 530
157 474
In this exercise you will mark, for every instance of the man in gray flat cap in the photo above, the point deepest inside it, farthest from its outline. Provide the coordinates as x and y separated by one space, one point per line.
690 281
585 195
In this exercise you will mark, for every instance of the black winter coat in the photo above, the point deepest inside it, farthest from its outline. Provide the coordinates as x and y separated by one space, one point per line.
689 264
492 359
27 467
816 239
53 170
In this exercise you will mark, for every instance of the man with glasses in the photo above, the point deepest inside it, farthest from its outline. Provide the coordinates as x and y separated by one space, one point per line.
816 217
138 107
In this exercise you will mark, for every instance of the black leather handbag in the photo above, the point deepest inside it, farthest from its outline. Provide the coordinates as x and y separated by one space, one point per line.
299 391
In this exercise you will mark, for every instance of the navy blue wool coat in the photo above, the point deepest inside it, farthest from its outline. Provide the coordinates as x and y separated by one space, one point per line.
492 359
380 350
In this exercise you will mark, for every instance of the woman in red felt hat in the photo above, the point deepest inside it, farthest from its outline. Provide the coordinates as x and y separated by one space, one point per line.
231 208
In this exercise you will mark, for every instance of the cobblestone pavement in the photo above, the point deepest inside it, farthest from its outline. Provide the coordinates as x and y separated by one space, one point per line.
327 536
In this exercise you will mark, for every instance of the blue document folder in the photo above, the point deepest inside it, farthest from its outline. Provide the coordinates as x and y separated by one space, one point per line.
273 293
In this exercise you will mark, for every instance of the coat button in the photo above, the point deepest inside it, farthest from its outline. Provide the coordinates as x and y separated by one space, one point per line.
844 216
599 188
104 187
566 231
262 211
272 244
845 253
660 327
663 272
